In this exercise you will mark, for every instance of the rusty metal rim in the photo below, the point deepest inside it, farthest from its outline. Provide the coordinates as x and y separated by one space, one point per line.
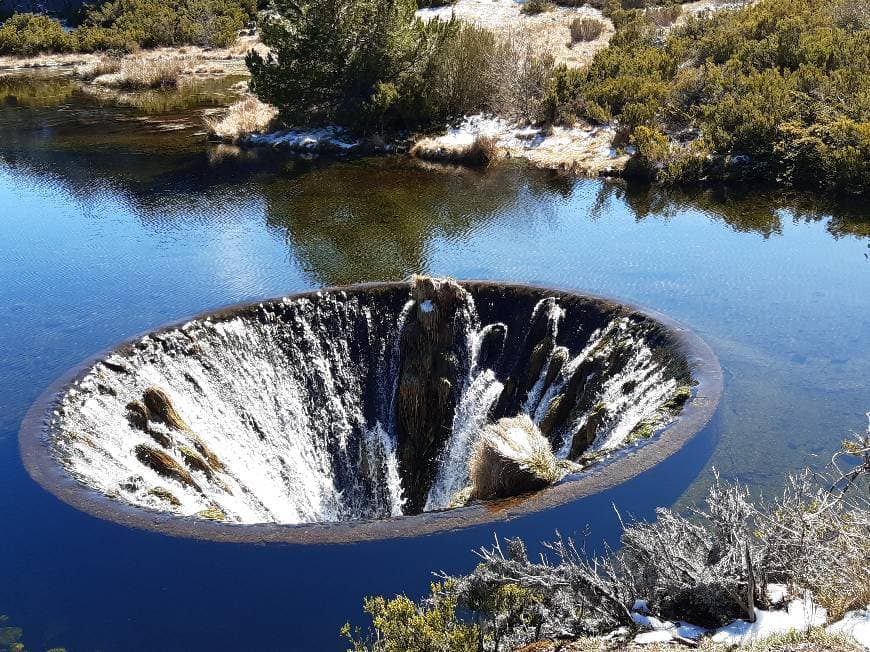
44 467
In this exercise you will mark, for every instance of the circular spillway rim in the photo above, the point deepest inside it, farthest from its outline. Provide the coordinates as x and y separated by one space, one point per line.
37 453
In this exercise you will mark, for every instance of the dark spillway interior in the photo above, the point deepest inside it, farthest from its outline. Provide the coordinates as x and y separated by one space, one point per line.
361 403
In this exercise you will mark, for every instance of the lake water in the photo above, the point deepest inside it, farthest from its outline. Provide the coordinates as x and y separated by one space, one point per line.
116 217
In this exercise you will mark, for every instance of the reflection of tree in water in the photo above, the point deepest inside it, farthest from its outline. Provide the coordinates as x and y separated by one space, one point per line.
373 219
746 210
379 219
34 90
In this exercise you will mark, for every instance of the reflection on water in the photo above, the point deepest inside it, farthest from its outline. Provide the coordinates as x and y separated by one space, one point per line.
114 220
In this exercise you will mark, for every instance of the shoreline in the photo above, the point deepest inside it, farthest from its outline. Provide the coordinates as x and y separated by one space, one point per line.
216 61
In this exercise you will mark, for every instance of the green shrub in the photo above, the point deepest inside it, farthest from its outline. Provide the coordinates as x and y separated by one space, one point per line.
29 34
330 59
153 23
403 626
783 81
125 25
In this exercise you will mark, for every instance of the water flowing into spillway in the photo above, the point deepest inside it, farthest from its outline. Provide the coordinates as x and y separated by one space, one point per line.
360 404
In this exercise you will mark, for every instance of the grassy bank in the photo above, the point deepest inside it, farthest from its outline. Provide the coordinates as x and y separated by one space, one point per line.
778 91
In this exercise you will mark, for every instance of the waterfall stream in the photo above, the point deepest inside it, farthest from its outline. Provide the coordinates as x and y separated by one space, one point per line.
286 412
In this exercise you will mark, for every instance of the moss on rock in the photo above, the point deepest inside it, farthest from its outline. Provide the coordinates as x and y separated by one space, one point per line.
165 495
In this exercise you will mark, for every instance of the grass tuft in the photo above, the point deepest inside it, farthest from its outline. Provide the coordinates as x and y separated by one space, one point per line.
247 116
585 29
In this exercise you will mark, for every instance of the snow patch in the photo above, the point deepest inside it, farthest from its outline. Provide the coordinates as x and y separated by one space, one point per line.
307 140
583 146
801 615
855 624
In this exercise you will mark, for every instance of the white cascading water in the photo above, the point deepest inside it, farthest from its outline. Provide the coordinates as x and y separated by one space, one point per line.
280 398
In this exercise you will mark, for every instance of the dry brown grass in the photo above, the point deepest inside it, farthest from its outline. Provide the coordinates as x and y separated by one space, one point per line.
814 640
102 66
144 72
585 29
247 116
481 153
664 16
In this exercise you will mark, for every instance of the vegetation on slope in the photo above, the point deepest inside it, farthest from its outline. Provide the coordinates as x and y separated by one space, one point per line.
373 66
129 24
779 91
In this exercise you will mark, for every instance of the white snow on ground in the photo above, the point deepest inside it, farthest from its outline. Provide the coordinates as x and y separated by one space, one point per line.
776 593
662 631
306 140
800 615
855 624
581 148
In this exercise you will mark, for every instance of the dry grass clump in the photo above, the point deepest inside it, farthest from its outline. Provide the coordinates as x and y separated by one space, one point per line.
247 116
664 16
585 29
818 537
478 154
140 73
510 458
102 66
812 640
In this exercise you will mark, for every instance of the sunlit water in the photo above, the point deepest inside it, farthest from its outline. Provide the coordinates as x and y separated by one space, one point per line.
117 218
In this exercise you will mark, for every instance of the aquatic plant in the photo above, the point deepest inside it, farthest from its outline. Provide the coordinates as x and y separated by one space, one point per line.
511 457
480 152
11 638
139 73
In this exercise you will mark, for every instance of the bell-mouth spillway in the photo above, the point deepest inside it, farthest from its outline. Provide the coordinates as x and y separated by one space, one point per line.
350 413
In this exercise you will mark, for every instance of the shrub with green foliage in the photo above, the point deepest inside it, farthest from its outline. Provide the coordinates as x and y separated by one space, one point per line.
403 626
151 23
379 68
585 29
783 85
344 61
29 34
125 25
533 7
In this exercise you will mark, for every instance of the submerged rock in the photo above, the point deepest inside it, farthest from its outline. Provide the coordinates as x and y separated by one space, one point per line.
511 457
